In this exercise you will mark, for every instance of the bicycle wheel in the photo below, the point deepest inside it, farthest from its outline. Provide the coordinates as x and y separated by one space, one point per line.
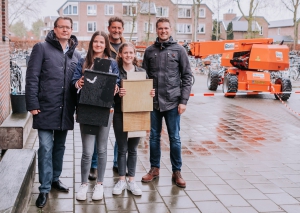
294 74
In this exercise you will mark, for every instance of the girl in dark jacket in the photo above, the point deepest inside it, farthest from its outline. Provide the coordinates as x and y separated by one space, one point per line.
127 62
98 47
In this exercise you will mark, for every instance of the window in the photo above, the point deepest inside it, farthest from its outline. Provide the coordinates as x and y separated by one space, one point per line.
91 10
71 10
184 12
202 13
75 26
146 27
129 10
162 12
201 28
109 9
106 27
184 28
91 26
278 31
128 25
261 30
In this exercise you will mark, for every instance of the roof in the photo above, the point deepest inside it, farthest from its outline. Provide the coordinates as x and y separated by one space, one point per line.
279 38
282 23
241 26
239 17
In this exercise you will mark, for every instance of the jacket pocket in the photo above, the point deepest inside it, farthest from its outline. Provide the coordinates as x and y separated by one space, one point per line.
172 59
153 62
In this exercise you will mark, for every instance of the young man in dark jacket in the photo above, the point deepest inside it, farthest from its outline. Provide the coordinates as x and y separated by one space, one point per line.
166 62
51 101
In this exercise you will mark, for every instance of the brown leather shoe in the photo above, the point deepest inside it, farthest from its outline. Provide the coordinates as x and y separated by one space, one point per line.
93 174
151 175
176 177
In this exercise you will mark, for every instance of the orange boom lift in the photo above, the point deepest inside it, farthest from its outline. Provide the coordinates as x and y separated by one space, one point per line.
248 65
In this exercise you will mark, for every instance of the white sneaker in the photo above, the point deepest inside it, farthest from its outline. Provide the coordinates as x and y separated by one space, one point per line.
98 192
81 194
134 188
119 187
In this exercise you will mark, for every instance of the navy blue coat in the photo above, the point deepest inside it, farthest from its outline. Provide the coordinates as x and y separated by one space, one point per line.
48 84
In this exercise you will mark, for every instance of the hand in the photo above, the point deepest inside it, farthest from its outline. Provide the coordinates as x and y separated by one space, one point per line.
35 111
122 92
181 108
80 82
116 89
152 93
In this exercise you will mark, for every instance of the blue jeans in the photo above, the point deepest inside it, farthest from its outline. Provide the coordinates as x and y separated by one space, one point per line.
172 119
115 155
95 157
50 157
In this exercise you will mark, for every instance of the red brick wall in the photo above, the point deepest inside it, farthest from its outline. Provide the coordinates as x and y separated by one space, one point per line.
4 63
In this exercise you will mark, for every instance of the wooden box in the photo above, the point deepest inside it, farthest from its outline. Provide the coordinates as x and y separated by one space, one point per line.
136 121
137 98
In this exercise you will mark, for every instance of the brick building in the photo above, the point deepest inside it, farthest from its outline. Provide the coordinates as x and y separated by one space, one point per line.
91 15
240 26
283 30
4 63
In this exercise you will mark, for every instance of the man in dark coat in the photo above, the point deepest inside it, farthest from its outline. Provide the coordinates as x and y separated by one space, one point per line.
166 62
51 101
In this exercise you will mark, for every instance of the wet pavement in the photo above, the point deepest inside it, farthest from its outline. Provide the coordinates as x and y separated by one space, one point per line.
239 155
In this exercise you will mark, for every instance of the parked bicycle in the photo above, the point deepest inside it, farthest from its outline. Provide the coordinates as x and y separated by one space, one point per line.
15 77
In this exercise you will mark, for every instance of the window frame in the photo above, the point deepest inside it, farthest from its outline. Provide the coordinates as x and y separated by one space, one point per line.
261 32
95 25
162 9
204 9
107 6
126 23
198 30
185 27
72 9
130 9
75 22
185 8
87 9
146 27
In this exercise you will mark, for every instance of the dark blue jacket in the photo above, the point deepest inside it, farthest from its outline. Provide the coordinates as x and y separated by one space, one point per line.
48 84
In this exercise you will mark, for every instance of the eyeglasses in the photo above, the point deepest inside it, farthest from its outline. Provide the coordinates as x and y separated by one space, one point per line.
63 27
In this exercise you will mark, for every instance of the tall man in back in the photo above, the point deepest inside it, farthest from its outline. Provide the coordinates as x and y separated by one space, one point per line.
51 101
115 29
166 62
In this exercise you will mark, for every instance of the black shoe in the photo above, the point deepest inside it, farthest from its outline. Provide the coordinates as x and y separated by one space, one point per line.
42 200
93 174
60 186
115 169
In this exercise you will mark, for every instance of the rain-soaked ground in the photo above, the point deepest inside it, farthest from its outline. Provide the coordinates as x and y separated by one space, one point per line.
239 155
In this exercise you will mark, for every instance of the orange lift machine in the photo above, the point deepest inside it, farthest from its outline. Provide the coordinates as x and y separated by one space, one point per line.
248 63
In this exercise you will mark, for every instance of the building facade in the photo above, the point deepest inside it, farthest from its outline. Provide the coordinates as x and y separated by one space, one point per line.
4 63
139 18
283 30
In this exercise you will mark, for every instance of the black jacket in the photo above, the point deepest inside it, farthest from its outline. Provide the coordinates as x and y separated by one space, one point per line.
48 84
168 65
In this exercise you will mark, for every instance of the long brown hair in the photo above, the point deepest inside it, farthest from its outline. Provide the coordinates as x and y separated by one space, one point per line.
120 60
89 60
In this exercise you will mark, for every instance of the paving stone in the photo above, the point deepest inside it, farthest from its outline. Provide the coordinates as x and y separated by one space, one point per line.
291 208
242 210
178 202
268 188
232 200
249 194
239 184
201 195
264 205
282 199
211 207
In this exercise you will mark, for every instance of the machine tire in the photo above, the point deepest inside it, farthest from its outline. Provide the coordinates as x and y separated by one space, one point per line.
213 80
286 86
230 85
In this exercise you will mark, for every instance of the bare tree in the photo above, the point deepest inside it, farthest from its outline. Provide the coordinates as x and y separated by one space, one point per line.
196 6
23 9
217 5
292 5
254 5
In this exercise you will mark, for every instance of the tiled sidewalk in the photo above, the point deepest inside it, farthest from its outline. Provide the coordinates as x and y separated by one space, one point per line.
239 155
